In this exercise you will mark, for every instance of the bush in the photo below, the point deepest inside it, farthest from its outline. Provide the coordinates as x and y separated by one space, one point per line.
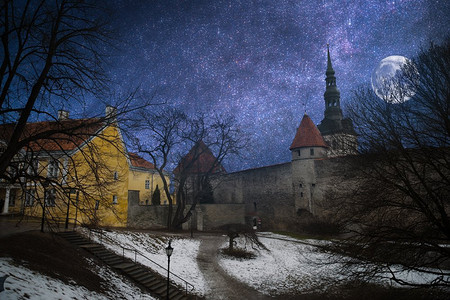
238 253
156 197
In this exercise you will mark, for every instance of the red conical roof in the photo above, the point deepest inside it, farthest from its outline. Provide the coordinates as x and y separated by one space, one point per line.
307 135
199 160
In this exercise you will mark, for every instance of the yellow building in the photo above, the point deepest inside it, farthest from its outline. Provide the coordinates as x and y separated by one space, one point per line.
83 177
144 178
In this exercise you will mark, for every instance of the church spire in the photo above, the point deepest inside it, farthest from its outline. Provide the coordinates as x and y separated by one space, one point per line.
330 70
332 96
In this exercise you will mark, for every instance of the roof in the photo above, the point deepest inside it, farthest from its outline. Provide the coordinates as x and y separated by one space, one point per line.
139 162
62 135
204 161
307 135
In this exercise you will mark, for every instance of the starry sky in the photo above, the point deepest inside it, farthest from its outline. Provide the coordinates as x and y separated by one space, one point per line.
264 61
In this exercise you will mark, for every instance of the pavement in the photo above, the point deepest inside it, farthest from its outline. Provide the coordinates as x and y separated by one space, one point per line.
221 284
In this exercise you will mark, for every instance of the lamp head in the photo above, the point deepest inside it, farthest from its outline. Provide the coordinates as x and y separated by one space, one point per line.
169 249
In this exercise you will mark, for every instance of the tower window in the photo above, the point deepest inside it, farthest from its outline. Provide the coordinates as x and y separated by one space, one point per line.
116 175
114 200
301 194
311 152
298 151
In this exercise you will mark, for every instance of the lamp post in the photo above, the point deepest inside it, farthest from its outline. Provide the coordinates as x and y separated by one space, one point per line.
76 210
169 251
70 191
44 185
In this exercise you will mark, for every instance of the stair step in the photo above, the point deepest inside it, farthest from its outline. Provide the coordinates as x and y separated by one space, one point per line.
113 261
134 271
161 290
131 268
150 281
123 265
143 277
138 272
173 292
178 297
157 285
106 255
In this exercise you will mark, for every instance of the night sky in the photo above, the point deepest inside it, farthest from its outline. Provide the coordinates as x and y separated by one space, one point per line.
264 61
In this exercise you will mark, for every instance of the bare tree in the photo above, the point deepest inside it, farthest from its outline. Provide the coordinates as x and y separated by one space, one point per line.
166 135
397 204
53 54
50 53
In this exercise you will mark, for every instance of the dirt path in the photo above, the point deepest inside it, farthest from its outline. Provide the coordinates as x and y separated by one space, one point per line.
222 285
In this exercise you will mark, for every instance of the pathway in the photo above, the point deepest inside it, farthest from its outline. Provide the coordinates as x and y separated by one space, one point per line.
222 285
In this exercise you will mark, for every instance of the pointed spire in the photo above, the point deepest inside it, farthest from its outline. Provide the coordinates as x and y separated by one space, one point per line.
330 70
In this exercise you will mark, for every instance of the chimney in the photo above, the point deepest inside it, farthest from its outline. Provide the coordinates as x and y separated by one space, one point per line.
63 115
110 114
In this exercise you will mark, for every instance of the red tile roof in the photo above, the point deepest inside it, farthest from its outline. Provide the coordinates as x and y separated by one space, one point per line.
139 162
307 135
204 162
63 135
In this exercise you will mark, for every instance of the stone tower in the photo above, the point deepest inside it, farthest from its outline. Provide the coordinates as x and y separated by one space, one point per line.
307 146
337 132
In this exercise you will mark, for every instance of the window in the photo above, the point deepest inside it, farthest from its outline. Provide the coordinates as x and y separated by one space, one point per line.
114 199
301 194
33 167
298 151
52 170
29 197
147 184
313 185
301 185
311 152
12 198
50 196
116 175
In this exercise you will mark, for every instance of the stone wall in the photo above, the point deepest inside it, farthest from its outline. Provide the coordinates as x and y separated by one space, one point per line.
213 216
145 216
266 193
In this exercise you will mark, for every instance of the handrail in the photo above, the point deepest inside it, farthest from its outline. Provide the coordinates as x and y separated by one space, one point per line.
192 287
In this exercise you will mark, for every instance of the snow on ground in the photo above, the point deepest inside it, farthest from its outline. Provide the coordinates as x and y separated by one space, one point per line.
291 265
183 261
23 283
286 267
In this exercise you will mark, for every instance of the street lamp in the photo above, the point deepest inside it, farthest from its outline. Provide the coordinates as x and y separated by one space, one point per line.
44 185
169 251
69 192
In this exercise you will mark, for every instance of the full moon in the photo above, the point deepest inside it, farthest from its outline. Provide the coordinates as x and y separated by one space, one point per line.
387 82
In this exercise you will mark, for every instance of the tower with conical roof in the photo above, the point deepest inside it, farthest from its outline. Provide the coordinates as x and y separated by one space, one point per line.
337 132
308 146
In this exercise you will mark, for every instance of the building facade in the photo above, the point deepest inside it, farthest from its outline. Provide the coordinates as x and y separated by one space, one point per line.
82 173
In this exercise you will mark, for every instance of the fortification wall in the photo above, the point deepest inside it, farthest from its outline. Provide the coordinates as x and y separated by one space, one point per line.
266 193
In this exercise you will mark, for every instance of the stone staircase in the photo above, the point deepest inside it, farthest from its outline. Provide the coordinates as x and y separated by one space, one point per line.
143 276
